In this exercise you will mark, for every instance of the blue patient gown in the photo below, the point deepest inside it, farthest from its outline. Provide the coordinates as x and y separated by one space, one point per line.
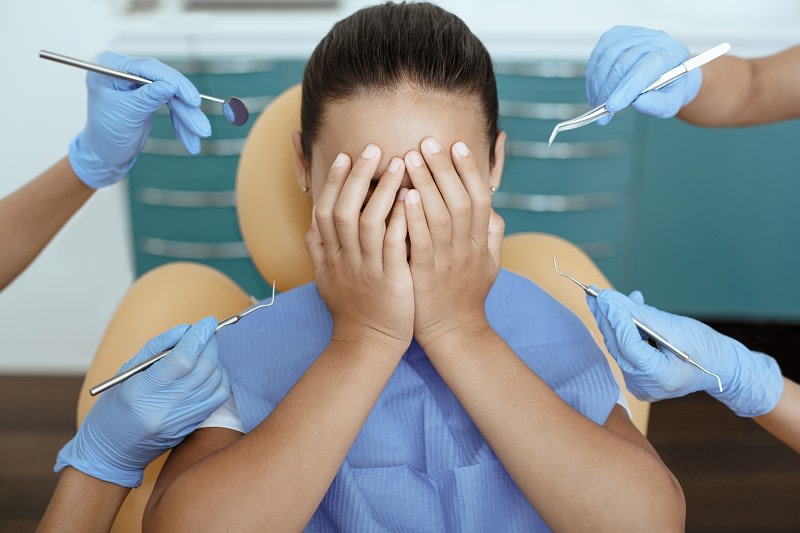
419 463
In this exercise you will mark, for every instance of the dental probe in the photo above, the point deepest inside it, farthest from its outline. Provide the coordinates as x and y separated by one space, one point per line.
144 365
659 339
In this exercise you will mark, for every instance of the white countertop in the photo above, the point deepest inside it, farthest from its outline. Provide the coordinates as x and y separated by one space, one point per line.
511 30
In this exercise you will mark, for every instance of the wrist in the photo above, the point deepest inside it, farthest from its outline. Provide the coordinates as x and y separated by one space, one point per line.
448 337
755 385
79 453
93 169
365 340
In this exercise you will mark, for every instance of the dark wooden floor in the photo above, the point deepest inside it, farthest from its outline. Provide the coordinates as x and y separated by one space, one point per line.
736 477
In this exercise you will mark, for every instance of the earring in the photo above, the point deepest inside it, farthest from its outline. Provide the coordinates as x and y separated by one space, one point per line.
304 189
492 189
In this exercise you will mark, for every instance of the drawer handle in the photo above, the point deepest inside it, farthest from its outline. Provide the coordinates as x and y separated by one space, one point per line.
193 250
543 69
539 110
218 147
598 250
190 199
555 203
576 150
228 65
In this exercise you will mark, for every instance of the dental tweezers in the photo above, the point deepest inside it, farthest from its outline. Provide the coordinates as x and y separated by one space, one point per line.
667 78
122 376
657 338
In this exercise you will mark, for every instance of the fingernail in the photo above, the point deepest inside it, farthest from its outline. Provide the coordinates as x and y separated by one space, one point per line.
402 194
432 146
414 159
412 197
461 149
341 160
395 164
370 151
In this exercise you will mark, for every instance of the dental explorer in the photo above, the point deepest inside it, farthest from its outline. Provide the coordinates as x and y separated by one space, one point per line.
643 328
119 378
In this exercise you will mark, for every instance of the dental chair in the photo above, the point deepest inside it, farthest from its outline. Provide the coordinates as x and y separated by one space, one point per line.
274 216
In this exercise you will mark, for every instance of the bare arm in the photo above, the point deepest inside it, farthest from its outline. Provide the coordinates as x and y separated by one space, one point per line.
744 92
578 475
784 420
82 504
278 473
31 216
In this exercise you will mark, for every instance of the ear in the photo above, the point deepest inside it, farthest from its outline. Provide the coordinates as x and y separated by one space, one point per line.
301 167
496 172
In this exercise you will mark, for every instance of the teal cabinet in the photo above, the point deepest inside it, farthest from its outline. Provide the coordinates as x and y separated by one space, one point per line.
183 207
703 221
719 223
582 187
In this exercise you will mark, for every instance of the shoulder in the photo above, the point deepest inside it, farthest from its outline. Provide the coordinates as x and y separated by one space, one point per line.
516 301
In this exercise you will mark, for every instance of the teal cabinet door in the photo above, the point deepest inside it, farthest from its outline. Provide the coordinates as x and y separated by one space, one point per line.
582 187
719 223
183 207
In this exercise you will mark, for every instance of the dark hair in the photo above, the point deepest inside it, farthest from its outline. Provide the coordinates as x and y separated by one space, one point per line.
382 46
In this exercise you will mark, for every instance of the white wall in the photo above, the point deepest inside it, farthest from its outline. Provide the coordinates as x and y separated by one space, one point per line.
53 316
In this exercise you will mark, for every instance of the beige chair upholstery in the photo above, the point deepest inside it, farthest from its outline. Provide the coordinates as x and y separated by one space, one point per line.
274 216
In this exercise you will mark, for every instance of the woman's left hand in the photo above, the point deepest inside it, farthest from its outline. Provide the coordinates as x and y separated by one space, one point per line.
456 241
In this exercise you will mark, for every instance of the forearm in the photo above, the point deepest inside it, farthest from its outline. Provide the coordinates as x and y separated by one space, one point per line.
744 92
578 475
82 503
276 475
784 420
31 216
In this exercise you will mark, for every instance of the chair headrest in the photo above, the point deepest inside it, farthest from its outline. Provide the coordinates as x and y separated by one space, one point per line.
274 214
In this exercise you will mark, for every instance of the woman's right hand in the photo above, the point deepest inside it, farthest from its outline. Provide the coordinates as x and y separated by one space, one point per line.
359 256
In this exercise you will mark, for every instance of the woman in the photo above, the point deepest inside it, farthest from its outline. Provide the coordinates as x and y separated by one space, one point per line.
411 388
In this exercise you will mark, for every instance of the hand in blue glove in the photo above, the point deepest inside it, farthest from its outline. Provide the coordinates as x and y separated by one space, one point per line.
120 116
626 60
139 419
752 381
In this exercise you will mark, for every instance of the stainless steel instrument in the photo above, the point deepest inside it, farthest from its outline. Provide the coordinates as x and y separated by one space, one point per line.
233 108
656 337
122 376
667 78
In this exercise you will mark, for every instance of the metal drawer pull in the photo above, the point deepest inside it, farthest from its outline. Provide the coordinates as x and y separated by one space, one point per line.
543 69
535 110
192 199
193 250
227 65
578 150
598 250
554 203
219 147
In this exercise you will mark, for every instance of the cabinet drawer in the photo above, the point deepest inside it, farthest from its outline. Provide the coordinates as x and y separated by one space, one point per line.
566 177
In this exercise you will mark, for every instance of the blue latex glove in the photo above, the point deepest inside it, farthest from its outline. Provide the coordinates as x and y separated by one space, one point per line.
136 421
752 381
120 116
626 60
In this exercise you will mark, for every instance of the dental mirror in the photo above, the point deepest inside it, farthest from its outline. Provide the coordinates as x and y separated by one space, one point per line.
233 108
